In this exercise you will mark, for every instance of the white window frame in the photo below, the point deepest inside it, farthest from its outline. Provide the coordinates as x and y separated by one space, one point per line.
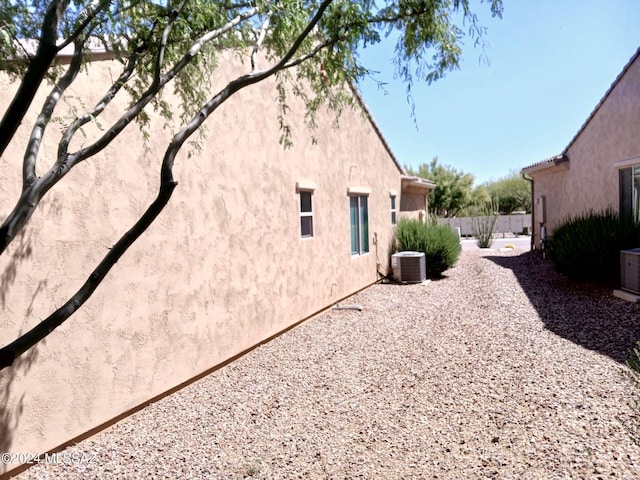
633 188
394 209
304 188
306 214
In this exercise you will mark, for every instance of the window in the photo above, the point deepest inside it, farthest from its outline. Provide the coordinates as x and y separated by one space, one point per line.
393 210
306 214
630 191
359 219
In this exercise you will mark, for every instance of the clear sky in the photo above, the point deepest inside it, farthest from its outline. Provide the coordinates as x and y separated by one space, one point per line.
551 61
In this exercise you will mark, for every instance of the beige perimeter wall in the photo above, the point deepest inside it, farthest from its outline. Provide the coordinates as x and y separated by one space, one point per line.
223 268
610 138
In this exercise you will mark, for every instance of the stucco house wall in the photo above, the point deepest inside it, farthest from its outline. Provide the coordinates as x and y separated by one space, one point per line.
585 176
222 269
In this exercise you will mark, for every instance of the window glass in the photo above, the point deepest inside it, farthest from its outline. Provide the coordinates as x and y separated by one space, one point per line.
359 224
636 192
305 202
353 219
364 225
626 191
306 215
306 226
393 210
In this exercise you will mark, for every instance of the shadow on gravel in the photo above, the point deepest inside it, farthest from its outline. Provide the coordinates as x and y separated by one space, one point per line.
586 314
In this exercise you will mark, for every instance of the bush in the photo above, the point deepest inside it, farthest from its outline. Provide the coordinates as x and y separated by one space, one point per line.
483 229
441 246
587 247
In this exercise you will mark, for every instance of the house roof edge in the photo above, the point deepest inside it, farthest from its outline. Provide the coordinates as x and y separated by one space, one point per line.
550 162
375 126
633 58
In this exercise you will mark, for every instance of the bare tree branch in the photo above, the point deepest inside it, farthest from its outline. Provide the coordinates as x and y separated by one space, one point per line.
35 73
37 133
79 122
259 41
10 352
164 39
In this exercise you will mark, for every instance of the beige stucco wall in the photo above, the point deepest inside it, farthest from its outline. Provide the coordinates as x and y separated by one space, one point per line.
609 138
223 267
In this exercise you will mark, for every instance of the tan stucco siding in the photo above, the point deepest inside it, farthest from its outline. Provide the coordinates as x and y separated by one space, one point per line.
222 268
413 203
609 137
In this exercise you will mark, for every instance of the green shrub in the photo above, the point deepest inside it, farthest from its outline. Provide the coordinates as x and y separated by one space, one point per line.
439 243
587 247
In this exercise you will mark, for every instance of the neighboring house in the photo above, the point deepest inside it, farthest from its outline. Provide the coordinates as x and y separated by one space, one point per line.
255 239
600 168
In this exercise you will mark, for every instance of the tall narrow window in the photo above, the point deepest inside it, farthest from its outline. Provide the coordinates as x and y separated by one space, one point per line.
626 192
359 220
630 192
306 214
393 210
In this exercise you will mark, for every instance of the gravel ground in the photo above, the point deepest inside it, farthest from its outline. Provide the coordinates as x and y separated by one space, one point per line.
502 369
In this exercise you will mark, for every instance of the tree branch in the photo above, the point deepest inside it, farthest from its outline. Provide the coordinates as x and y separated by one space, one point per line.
10 352
34 75
37 133
89 13
135 110
30 198
298 60
259 42
164 40
79 122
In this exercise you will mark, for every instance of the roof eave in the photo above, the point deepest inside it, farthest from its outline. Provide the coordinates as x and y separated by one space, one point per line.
626 68
559 162
418 182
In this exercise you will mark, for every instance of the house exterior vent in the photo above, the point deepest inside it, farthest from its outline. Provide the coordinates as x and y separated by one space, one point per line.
409 267
630 270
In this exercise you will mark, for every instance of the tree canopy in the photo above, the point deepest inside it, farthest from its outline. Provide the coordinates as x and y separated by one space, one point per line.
310 47
454 188
509 194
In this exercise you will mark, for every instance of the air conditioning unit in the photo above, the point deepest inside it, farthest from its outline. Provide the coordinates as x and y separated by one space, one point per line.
409 267
630 270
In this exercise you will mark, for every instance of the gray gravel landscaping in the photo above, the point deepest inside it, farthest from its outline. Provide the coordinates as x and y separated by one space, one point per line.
502 369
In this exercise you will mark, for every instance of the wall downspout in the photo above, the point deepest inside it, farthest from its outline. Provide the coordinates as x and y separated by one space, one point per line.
529 179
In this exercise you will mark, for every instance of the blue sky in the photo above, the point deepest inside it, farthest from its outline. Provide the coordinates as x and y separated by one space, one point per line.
551 61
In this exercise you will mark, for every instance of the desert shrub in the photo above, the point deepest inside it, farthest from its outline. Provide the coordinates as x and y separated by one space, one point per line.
483 229
439 243
587 247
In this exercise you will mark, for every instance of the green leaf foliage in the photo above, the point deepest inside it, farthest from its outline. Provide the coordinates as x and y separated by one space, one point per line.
509 194
158 35
587 247
453 192
439 243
